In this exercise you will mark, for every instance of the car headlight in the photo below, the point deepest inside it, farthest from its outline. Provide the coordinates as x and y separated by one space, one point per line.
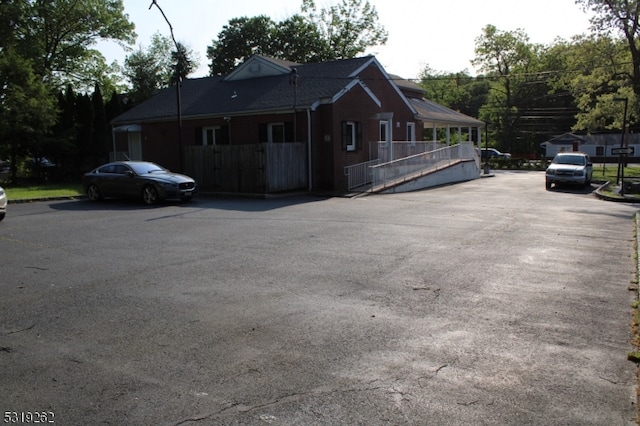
169 185
550 172
1 192
578 173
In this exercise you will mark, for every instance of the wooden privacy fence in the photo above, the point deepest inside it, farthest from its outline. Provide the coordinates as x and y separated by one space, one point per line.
255 168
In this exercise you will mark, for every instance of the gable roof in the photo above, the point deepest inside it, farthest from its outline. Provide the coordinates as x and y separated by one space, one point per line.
247 92
260 66
563 139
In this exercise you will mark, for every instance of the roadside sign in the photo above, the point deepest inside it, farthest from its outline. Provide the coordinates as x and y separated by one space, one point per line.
621 151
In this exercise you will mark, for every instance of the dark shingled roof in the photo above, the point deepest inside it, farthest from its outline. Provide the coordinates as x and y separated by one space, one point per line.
215 96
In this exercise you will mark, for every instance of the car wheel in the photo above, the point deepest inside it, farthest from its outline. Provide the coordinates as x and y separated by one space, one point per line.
149 195
2 216
93 192
548 185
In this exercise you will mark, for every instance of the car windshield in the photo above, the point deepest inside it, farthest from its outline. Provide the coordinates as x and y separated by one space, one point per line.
144 168
577 160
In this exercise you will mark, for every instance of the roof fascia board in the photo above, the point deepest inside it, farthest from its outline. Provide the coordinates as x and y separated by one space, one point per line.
350 86
246 113
345 90
452 123
387 77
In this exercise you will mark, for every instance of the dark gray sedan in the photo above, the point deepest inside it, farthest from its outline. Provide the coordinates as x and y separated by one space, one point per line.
137 179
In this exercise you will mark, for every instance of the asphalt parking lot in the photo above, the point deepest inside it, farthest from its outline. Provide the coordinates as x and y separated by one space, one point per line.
488 302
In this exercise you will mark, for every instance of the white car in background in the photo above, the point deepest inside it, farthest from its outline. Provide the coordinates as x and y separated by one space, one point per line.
574 168
3 203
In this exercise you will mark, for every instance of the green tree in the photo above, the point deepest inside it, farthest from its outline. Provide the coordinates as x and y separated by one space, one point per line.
101 134
339 32
616 23
13 18
595 74
350 27
183 62
458 91
60 35
27 110
150 69
509 61
238 40
45 45
619 17
298 40
63 138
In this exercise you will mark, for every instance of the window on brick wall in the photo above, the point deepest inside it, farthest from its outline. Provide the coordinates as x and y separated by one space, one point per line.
215 135
351 135
276 132
384 131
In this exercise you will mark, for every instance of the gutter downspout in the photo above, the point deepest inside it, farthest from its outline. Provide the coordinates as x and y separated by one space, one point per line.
309 157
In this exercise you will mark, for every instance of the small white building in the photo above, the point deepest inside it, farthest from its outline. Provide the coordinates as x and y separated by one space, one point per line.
597 146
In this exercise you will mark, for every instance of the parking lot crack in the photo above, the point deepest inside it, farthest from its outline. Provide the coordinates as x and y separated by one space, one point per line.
18 330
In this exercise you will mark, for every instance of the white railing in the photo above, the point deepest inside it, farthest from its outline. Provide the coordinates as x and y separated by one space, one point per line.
400 149
403 169
376 173
359 175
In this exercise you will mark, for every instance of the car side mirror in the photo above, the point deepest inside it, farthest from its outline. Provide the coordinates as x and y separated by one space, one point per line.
129 173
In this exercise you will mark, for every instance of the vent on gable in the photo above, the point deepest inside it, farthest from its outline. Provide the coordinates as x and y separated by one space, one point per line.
254 68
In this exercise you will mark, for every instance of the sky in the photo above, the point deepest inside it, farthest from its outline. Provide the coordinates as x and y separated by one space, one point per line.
440 34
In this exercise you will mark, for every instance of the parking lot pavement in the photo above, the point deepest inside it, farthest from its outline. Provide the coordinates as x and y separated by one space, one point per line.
487 302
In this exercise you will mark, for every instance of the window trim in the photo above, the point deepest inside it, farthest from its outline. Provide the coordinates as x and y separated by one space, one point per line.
353 145
386 125
213 134
270 127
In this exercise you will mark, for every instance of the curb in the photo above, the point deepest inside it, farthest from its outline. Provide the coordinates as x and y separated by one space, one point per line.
33 200
619 199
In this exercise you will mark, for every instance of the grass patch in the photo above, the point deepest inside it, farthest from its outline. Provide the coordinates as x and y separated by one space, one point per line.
43 191
611 173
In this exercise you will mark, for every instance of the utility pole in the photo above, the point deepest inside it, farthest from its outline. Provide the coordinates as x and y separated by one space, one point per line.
620 174
178 80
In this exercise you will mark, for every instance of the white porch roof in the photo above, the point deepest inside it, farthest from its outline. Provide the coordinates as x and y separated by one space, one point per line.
438 115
